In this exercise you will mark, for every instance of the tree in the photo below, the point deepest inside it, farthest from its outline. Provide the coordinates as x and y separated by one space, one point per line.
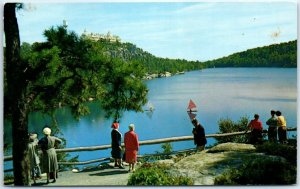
123 89
16 101
63 71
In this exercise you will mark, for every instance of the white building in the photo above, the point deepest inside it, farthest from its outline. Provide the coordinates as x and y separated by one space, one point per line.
97 36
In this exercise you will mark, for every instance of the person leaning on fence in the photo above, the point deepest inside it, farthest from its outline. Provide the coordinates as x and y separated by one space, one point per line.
199 135
281 123
256 130
34 157
131 147
116 147
272 130
49 158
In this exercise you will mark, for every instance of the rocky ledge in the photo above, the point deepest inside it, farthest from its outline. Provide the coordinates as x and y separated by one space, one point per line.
203 167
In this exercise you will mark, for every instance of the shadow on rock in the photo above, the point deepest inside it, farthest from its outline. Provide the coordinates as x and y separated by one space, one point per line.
110 173
39 184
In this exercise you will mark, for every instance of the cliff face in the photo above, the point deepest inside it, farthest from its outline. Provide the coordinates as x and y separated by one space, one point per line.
204 166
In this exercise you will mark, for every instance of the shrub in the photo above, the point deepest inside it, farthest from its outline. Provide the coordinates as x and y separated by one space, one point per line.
287 151
260 171
167 147
229 126
151 174
167 150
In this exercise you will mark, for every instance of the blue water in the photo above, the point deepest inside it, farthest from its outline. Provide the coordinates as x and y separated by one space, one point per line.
218 93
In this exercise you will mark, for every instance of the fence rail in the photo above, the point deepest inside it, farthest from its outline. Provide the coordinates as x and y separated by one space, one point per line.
146 142
139 156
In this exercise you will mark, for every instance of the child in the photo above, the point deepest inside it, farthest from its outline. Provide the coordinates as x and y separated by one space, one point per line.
33 157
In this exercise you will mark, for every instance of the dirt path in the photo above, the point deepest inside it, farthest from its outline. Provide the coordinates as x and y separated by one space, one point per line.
93 177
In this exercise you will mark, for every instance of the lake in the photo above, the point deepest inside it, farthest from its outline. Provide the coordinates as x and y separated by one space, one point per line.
218 93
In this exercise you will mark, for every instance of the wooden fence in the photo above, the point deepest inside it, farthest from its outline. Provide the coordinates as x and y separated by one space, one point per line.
146 142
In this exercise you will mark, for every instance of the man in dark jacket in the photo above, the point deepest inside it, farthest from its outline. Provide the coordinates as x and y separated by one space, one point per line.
199 135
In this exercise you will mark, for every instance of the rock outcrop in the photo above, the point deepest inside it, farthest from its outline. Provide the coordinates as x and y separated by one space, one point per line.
203 167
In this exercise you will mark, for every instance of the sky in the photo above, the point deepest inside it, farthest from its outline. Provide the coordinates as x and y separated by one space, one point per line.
192 31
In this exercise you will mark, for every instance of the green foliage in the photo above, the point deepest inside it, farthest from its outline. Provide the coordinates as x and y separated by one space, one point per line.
289 152
265 170
151 158
277 55
151 174
62 156
167 147
68 71
123 88
167 150
260 171
65 157
229 126
129 52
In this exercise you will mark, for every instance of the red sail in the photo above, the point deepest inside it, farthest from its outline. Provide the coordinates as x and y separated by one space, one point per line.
191 105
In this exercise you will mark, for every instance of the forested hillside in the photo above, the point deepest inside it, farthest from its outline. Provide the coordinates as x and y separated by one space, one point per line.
129 52
277 55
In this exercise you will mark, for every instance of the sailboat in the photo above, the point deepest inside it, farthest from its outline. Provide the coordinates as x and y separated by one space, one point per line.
150 107
192 107
192 115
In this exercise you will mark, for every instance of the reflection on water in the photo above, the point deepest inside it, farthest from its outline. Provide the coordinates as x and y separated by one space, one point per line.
218 93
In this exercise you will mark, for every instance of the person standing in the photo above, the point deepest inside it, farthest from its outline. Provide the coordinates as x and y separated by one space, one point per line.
33 157
281 123
199 135
272 130
49 157
131 147
116 147
256 130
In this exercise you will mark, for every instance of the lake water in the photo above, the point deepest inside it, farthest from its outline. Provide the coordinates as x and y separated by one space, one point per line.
218 93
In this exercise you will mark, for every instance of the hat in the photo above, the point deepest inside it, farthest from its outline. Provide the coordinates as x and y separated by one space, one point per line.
131 126
47 131
115 125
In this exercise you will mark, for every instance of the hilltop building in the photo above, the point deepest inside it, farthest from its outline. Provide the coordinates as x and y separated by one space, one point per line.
97 36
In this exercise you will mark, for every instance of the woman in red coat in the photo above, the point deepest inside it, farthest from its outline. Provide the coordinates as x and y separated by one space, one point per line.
131 147
256 130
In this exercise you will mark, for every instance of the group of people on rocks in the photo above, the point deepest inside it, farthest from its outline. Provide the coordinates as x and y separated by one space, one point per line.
46 162
131 147
42 155
277 125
